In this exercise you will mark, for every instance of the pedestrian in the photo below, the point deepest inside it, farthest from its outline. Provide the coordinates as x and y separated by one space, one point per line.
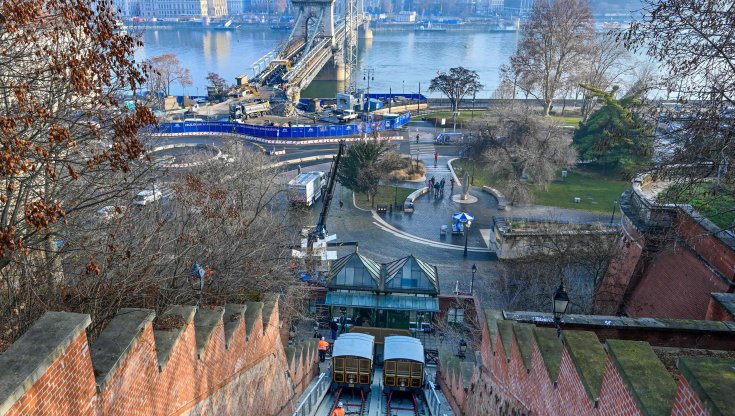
359 321
441 184
341 204
451 182
436 158
323 345
339 410
417 138
298 171
333 326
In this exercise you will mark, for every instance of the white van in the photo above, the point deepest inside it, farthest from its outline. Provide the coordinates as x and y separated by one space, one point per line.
449 138
147 196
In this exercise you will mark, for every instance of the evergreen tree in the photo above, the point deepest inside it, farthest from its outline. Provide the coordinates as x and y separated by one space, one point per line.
616 137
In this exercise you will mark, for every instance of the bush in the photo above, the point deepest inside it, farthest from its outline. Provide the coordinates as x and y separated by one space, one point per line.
407 170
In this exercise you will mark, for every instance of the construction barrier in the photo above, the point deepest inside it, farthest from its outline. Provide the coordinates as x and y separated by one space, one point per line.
293 133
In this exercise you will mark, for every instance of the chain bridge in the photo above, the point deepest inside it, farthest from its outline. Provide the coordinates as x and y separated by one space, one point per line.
322 44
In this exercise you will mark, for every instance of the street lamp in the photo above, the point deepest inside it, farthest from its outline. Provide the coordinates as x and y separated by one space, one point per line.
612 217
462 348
417 160
472 282
561 303
369 75
468 224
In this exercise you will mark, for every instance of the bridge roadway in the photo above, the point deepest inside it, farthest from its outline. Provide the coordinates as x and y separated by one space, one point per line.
306 63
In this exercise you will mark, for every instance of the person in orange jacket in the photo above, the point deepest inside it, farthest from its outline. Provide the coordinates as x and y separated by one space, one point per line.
339 410
323 345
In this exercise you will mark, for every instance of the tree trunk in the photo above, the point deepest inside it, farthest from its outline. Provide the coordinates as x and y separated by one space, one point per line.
547 107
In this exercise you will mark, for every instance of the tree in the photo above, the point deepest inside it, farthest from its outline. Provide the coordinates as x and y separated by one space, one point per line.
522 147
166 70
608 61
616 137
361 168
386 6
693 43
218 86
556 40
69 143
457 84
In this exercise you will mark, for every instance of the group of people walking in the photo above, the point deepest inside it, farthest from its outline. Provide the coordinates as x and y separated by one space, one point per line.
436 188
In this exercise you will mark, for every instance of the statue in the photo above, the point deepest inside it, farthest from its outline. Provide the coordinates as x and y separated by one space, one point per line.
466 187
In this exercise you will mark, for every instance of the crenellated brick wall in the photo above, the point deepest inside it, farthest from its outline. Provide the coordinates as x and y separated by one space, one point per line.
525 369
211 361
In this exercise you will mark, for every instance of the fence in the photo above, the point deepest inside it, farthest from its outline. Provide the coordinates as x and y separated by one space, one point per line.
432 400
281 133
314 397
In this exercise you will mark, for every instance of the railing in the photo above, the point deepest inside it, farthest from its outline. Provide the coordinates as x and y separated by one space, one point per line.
314 396
432 400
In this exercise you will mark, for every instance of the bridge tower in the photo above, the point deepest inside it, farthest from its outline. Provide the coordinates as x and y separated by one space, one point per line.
314 19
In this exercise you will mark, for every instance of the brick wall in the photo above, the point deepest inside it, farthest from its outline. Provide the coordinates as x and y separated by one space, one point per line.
574 375
232 362
688 260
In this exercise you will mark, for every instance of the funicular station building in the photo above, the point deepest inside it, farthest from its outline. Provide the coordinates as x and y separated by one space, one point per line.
400 297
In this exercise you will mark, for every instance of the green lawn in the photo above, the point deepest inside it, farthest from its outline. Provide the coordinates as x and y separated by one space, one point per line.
566 121
597 192
718 207
464 115
386 195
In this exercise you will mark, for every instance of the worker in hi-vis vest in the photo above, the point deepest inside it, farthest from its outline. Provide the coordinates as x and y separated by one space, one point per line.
323 345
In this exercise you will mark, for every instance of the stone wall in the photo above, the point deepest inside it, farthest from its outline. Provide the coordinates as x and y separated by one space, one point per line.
211 361
526 369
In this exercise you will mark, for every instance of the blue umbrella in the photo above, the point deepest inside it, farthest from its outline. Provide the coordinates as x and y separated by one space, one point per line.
463 217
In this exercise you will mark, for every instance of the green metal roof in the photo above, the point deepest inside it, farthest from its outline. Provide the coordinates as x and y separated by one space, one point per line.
369 300
354 270
411 274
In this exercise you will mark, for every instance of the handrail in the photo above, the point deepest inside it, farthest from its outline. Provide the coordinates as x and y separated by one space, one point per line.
313 398
432 399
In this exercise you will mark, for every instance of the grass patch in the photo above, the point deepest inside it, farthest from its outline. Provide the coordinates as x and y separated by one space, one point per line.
478 176
566 121
386 195
597 192
717 205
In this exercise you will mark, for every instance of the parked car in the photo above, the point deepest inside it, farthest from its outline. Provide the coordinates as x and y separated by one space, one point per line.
147 196
109 212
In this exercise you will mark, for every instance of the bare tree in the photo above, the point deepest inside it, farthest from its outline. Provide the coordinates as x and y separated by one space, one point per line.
457 84
166 70
522 147
693 41
225 217
609 60
556 40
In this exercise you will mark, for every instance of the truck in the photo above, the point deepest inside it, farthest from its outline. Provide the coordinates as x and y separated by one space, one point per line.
306 188
346 116
249 110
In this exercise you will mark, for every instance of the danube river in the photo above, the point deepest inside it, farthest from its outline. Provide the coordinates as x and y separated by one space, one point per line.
401 60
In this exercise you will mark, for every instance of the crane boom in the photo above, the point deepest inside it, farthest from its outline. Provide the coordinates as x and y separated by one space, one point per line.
320 230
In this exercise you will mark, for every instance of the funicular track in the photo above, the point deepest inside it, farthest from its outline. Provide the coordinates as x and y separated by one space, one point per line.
406 406
354 401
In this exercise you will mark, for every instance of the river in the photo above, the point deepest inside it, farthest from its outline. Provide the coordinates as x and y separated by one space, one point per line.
401 60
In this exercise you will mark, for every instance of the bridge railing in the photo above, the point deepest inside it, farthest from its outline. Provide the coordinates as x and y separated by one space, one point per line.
294 133
313 398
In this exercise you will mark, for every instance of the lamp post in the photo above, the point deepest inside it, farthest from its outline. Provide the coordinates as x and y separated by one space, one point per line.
472 114
561 303
462 349
467 225
417 160
612 217
472 282
395 196
369 75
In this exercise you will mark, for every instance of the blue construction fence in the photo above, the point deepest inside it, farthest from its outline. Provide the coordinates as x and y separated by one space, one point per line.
293 132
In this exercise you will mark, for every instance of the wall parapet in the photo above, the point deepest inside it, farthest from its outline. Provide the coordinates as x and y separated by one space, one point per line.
186 362
527 369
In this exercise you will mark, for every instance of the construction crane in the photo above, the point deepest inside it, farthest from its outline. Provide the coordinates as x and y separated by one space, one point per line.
320 231
314 246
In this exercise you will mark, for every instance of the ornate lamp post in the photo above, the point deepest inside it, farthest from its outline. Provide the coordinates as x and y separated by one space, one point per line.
472 282
561 303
